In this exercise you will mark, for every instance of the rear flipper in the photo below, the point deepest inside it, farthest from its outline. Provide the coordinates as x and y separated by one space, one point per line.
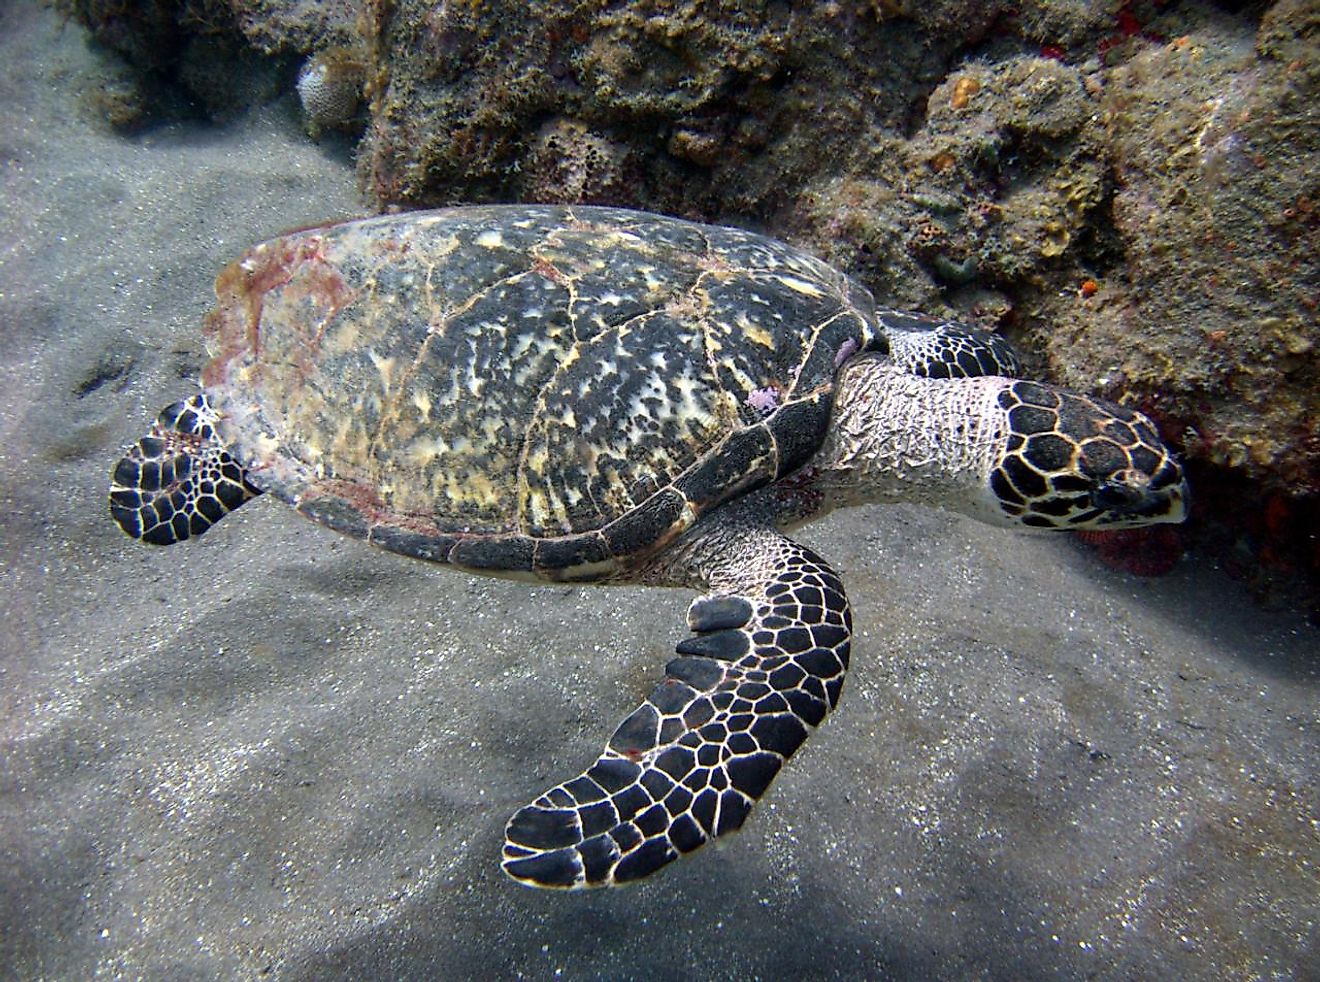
767 663
934 348
178 480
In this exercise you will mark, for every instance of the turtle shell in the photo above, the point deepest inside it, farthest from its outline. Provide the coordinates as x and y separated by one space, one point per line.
539 390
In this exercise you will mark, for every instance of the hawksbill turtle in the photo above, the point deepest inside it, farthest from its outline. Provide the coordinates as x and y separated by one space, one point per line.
599 395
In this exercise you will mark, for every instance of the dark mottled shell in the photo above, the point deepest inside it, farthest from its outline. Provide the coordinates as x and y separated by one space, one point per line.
534 389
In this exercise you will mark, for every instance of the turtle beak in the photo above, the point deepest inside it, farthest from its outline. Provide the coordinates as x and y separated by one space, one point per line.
1164 498
1179 502
1170 486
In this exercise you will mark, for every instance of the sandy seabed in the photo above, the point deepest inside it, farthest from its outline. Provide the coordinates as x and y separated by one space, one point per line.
275 751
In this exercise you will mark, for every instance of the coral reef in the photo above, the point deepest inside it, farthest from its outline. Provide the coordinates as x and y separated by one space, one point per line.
569 161
726 108
1215 146
224 77
297 25
999 184
149 35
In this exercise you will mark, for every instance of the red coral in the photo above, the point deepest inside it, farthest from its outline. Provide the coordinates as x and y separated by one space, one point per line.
1127 22
1149 551
1128 25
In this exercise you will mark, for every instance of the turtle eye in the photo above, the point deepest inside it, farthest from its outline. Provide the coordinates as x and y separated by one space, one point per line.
1120 493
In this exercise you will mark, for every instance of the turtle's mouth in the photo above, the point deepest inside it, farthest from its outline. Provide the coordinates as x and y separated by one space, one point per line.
1155 506
1163 499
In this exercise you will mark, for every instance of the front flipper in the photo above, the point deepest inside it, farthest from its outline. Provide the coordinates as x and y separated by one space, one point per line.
178 480
765 665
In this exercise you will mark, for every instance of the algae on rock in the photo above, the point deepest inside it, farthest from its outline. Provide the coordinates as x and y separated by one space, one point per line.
1215 139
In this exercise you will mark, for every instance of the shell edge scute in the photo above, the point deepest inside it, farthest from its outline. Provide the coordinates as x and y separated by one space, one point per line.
494 553
744 461
799 428
650 526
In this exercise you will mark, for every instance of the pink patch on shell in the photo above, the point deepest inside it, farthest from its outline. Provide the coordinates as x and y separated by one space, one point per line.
764 401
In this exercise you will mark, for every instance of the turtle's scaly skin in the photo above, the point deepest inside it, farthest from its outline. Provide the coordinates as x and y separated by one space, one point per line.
1004 451
562 401
942 349
598 394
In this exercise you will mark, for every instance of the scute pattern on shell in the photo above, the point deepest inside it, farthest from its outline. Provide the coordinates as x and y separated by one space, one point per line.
530 372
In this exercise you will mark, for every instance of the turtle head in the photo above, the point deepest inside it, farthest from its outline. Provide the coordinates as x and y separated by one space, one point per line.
1073 462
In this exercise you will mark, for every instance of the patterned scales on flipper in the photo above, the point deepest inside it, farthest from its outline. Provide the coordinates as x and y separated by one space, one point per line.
934 348
766 665
177 481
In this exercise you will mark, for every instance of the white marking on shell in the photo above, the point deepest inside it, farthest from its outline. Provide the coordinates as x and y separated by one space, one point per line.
491 238
753 331
653 282
687 387
637 407
249 263
424 450
475 383
383 365
801 286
